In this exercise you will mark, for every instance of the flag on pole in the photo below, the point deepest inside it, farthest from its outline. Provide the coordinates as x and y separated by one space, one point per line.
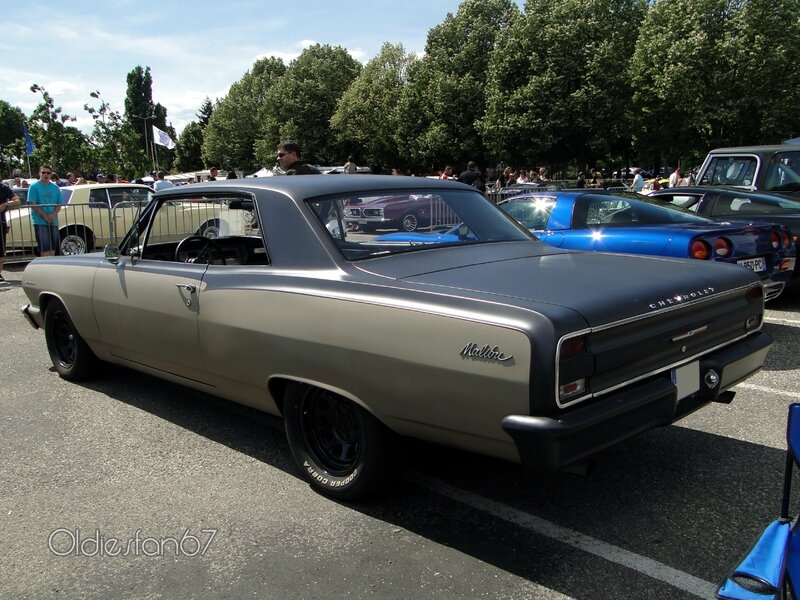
29 147
162 138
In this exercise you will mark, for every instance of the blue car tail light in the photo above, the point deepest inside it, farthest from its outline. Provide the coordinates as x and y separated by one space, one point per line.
699 250
722 247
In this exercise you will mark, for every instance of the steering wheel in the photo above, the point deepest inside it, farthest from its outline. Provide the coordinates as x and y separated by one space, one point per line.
209 246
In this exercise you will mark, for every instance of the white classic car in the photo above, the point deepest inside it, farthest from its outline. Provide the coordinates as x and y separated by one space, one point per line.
495 343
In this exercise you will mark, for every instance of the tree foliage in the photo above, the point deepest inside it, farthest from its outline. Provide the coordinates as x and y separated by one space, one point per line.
564 82
445 97
56 144
367 116
301 103
189 150
229 138
557 88
114 144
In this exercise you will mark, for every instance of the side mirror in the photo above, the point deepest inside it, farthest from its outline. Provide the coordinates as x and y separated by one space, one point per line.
112 253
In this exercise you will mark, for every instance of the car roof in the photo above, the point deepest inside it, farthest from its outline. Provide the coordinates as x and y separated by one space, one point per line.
309 186
730 189
757 149
102 186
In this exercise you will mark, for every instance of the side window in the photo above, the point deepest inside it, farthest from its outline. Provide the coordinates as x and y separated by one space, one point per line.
532 214
98 197
730 170
220 231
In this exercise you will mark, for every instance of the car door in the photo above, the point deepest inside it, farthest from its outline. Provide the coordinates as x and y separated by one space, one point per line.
146 306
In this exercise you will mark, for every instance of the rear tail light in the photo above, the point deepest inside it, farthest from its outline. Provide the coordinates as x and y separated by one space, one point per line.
571 389
722 247
786 238
755 294
700 250
572 347
776 239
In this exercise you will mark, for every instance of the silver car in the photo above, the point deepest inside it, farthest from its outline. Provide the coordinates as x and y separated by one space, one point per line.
491 342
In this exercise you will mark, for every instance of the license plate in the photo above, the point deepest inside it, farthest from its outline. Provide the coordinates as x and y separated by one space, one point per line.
755 264
362 221
686 379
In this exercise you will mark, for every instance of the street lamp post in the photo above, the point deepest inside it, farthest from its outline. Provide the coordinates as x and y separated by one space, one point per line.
146 139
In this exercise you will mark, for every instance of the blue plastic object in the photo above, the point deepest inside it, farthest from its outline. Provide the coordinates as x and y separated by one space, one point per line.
761 572
772 565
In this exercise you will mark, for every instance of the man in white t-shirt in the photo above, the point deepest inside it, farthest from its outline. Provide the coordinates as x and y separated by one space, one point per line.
675 178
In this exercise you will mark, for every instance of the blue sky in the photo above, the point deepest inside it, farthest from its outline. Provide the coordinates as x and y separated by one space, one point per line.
194 49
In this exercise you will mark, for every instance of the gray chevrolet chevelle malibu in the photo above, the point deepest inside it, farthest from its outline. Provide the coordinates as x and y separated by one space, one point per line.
254 290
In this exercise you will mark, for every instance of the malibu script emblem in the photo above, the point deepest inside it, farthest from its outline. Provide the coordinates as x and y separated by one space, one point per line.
695 295
486 352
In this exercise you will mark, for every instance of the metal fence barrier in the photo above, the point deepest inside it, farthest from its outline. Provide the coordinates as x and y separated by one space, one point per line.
82 227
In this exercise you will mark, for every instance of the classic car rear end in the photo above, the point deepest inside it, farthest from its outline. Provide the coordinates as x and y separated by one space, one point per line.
482 343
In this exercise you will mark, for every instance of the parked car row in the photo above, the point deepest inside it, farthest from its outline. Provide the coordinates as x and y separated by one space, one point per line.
485 342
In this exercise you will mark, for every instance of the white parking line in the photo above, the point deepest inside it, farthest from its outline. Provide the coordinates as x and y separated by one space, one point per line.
769 390
775 321
651 568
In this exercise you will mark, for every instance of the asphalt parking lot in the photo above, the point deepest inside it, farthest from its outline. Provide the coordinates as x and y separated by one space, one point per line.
129 487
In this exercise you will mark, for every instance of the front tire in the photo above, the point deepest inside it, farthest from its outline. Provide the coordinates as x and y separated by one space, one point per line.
343 451
71 356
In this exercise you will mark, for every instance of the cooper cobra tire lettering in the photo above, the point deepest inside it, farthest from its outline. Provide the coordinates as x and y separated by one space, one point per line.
343 451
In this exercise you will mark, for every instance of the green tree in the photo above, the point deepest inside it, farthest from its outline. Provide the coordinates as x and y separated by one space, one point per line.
764 77
139 108
680 79
12 148
205 112
56 144
445 96
233 127
557 89
367 116
300 104
114 143
189 150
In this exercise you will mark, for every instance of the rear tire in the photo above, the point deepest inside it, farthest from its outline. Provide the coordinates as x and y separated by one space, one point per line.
71 356
343 451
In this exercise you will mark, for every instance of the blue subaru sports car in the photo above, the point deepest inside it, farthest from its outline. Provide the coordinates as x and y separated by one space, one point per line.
635 224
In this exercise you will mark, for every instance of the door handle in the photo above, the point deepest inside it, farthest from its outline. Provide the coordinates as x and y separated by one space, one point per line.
189 288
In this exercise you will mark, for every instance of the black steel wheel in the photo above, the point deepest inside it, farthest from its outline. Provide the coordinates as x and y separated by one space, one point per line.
71 356
343 450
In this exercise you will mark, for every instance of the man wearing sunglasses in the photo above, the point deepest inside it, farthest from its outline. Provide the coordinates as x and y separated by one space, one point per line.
288 155
45 200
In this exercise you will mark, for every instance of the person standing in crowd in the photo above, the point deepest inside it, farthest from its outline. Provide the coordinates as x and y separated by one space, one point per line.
447 173
288 155
350 167
161 183
7 199
44 198
231 175
506 178
472 176
581 181
675 177
213 174
638 182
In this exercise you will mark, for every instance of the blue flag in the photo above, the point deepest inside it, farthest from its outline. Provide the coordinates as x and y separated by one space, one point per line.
29 147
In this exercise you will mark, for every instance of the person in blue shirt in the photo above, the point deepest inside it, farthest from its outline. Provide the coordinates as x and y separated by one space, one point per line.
44 198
